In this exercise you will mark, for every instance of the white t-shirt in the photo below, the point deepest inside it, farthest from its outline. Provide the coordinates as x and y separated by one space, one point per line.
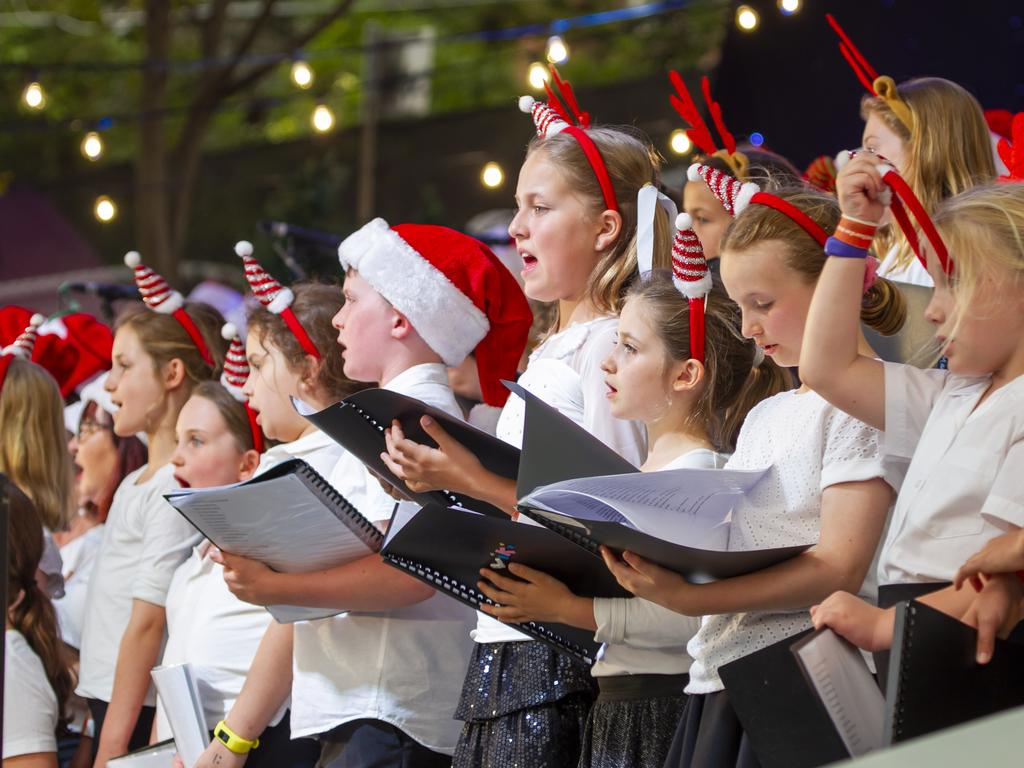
404 666
30 704
565 372
144 541
208 627
810 445
641 637
913 273
79 556
964 485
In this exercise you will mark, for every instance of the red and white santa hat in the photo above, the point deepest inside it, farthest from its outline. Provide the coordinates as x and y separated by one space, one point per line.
456 293
274 296
234 376
161 297
21 347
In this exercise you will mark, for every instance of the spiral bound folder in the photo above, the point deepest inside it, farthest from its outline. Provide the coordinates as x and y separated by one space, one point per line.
288 517
357 423
446 548
934 679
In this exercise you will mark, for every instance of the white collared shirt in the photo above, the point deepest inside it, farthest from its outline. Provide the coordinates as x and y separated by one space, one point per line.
30 704
404 666
964 485
565 372
641 637
208 627
144 541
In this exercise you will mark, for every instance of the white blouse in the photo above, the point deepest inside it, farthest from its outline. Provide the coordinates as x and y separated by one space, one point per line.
964 483
565 372
809 445
30 704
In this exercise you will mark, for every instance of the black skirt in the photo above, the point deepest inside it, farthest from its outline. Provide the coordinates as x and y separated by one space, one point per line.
523 704
710 736
633 720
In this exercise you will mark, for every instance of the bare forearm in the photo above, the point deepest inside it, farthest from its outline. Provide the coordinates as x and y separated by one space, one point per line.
578 612
494 489
367 584
267 685
140 647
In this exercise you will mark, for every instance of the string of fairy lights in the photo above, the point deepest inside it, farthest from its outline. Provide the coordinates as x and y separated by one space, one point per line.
323 118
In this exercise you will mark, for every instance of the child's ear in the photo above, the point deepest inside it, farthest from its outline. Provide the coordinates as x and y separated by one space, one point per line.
174 374
250 462
400 325
610 226
310 372
688 375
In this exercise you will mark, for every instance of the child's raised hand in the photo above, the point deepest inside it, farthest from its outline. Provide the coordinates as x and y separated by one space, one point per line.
649 581
1003 554
531 596
862 193
423 468
249 580
866 626
995 611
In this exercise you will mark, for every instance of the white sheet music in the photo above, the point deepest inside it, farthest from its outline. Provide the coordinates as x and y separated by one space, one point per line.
684 506
841 677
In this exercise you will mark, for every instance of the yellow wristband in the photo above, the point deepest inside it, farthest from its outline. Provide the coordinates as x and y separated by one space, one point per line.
233 741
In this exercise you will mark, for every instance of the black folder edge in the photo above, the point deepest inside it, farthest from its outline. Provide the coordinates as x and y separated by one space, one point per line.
496 455
472 597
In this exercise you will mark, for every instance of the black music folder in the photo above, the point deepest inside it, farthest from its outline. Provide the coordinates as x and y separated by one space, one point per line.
447 547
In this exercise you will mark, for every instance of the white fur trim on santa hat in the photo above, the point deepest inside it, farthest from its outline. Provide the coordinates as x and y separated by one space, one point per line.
282 301
743 197
444 316
693 289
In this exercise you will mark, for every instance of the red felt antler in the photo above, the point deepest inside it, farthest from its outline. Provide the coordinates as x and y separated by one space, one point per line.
860 66
571 113
684 105
1012 153
716 115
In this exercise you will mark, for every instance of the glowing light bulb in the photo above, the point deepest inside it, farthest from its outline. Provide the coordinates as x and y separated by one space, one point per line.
747 18
302 74
92 146
537 76
33 96
492 175
323 118
789 7
680 142
557 50
104 209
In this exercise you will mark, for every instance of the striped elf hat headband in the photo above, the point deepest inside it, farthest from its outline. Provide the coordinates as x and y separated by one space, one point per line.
881 86
562 114
274 296
160 297
236 371
22 347
691 277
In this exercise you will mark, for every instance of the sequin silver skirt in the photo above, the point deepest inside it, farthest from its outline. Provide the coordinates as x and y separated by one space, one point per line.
524 705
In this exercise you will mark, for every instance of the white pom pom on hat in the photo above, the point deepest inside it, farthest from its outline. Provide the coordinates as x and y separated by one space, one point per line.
693 173
132 259
526 103
228 331
243 248
684 221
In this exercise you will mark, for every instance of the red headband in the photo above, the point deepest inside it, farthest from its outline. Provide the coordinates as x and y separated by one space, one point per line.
597 163
790 211
193 331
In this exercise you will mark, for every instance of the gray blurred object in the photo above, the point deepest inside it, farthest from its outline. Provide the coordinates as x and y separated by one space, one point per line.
915 343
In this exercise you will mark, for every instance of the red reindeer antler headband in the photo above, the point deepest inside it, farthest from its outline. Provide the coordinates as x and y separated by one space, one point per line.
1012 154
562 114
881 86
698 131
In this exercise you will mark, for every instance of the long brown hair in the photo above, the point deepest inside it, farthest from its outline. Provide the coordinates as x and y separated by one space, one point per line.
733 383
949 151
314 306
632 162
32 615
33 442
883 307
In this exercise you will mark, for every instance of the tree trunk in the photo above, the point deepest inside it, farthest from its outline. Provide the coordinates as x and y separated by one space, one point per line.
151 191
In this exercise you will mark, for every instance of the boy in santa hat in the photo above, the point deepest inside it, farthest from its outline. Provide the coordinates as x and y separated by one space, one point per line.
378 685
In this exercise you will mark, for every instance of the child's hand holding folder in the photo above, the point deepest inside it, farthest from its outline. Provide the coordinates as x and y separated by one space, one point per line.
424 468
249 580
534 596
866 626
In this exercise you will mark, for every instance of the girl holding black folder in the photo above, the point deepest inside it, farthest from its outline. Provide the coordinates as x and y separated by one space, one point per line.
691 394
523 703
827 482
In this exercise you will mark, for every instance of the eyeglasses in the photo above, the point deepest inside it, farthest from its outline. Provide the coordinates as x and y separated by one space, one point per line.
88 427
